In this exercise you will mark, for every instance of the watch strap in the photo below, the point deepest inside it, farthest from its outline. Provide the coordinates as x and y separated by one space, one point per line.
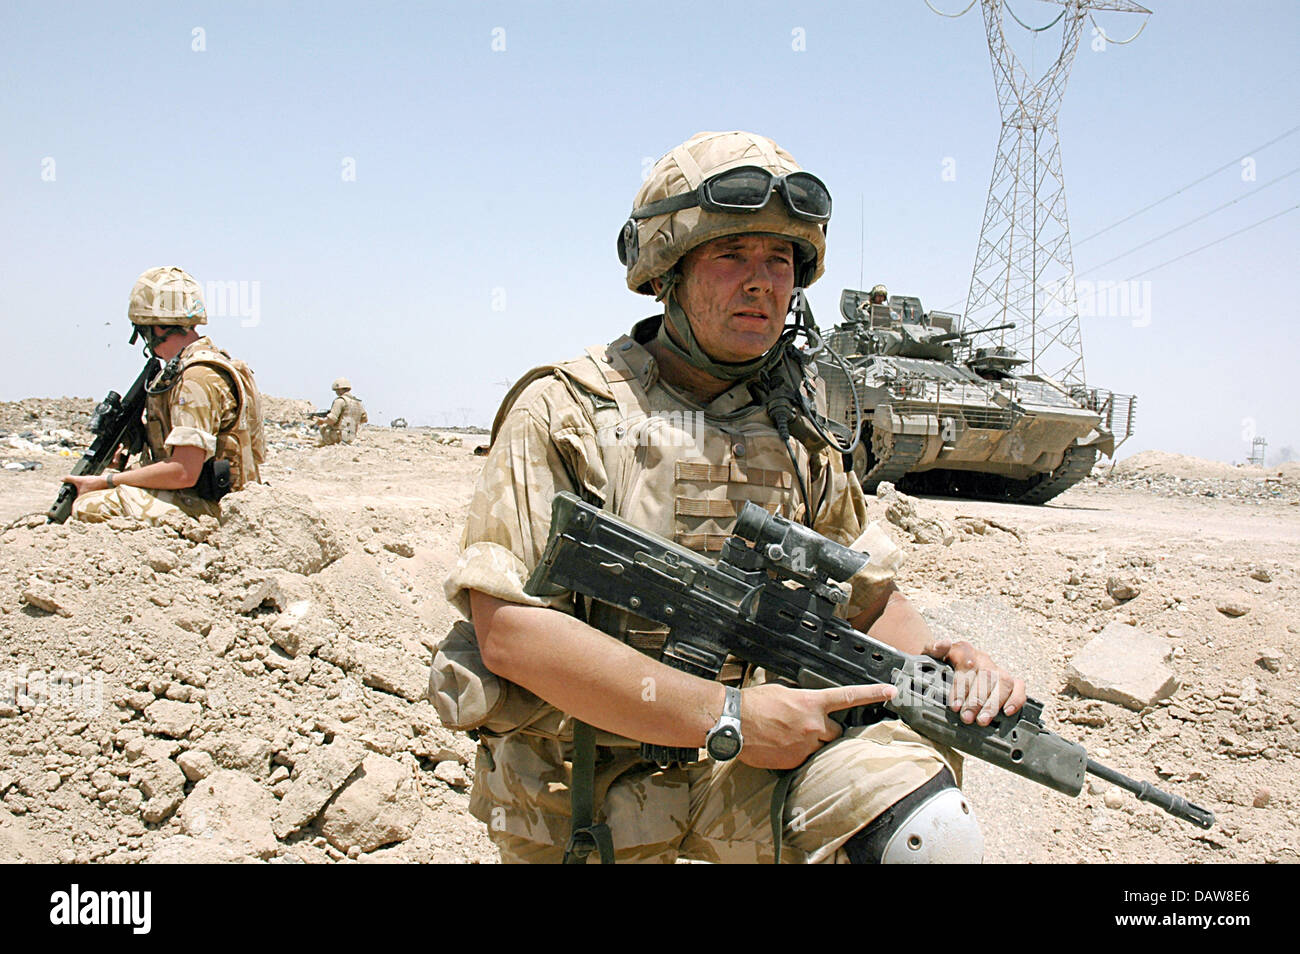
731 703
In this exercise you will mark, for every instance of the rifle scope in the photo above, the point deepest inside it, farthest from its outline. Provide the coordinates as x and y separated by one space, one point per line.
795 548
105 411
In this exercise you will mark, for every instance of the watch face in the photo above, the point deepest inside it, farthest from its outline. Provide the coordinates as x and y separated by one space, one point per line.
724 744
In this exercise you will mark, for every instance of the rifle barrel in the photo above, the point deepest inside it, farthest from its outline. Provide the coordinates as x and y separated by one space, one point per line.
1146 792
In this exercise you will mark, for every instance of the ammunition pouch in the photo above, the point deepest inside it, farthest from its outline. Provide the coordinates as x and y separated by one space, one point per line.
214 479
467 695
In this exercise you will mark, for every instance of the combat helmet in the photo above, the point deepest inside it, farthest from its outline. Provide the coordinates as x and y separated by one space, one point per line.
878 290
665 223
165 296
340 385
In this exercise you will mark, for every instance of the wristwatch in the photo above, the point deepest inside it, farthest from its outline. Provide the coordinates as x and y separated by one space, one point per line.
108 478
725 740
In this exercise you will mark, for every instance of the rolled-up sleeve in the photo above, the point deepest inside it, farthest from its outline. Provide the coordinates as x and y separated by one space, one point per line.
200 404
509 516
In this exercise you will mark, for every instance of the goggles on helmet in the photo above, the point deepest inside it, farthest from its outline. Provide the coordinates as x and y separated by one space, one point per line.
748 189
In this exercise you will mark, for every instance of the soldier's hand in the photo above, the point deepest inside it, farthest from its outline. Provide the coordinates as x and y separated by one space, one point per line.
119 459
981 688
86 482
783 726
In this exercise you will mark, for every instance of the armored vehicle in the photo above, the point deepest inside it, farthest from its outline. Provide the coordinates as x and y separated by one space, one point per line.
939 416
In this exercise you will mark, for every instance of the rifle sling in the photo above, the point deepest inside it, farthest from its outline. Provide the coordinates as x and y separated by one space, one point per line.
780 793
585 837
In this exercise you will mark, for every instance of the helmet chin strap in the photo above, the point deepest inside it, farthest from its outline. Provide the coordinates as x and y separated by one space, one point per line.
152 341
693 354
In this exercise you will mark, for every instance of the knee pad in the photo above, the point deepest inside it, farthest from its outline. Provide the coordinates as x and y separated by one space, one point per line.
933 825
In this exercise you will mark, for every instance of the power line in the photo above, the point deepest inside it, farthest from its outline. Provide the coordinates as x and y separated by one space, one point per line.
1166 198
1225 238
1179 228
1227 165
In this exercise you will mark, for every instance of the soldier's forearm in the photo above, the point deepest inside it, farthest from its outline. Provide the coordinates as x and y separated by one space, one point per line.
592 676
896 622
178 472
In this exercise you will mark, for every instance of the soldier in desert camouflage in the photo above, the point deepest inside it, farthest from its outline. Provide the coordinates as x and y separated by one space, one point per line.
668 428
345 416
202 414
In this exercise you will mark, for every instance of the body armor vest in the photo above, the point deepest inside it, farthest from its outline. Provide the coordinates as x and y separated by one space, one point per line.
672 469
242 444
351 418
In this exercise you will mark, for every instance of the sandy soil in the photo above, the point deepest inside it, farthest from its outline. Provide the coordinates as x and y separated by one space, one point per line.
363 535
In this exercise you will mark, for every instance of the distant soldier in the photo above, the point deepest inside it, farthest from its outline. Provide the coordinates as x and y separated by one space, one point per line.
345 417
203 419
880 295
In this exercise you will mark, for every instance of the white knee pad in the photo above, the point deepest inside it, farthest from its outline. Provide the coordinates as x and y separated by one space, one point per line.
940 830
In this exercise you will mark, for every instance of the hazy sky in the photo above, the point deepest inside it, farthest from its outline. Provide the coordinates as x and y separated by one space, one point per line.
425 197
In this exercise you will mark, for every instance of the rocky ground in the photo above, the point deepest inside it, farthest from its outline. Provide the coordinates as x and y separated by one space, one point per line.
252 690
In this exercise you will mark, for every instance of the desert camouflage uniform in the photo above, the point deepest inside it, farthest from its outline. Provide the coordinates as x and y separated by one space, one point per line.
562 434
193 413
345 418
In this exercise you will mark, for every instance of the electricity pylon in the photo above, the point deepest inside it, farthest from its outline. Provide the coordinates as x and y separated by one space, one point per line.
1024 263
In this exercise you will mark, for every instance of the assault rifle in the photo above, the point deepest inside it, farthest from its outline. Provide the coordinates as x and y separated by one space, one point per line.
744 605
118 423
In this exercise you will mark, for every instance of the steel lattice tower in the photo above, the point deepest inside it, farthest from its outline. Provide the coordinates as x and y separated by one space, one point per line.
1024 264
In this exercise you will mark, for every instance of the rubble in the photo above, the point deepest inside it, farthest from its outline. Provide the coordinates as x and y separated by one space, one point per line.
1125 665
1174 475
276 529
46 597
377 806
1233 604
209 645
1269 659
1122 590
232 811
172 719
316 778
901 511
196 764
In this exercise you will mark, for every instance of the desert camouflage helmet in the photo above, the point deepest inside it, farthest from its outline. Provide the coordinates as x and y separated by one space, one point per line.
880 290
167 295
650 247
341 384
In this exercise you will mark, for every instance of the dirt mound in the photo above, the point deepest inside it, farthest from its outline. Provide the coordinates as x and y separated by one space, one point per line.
285 411
177 694
1177 475
45 413
276 529
1165 464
